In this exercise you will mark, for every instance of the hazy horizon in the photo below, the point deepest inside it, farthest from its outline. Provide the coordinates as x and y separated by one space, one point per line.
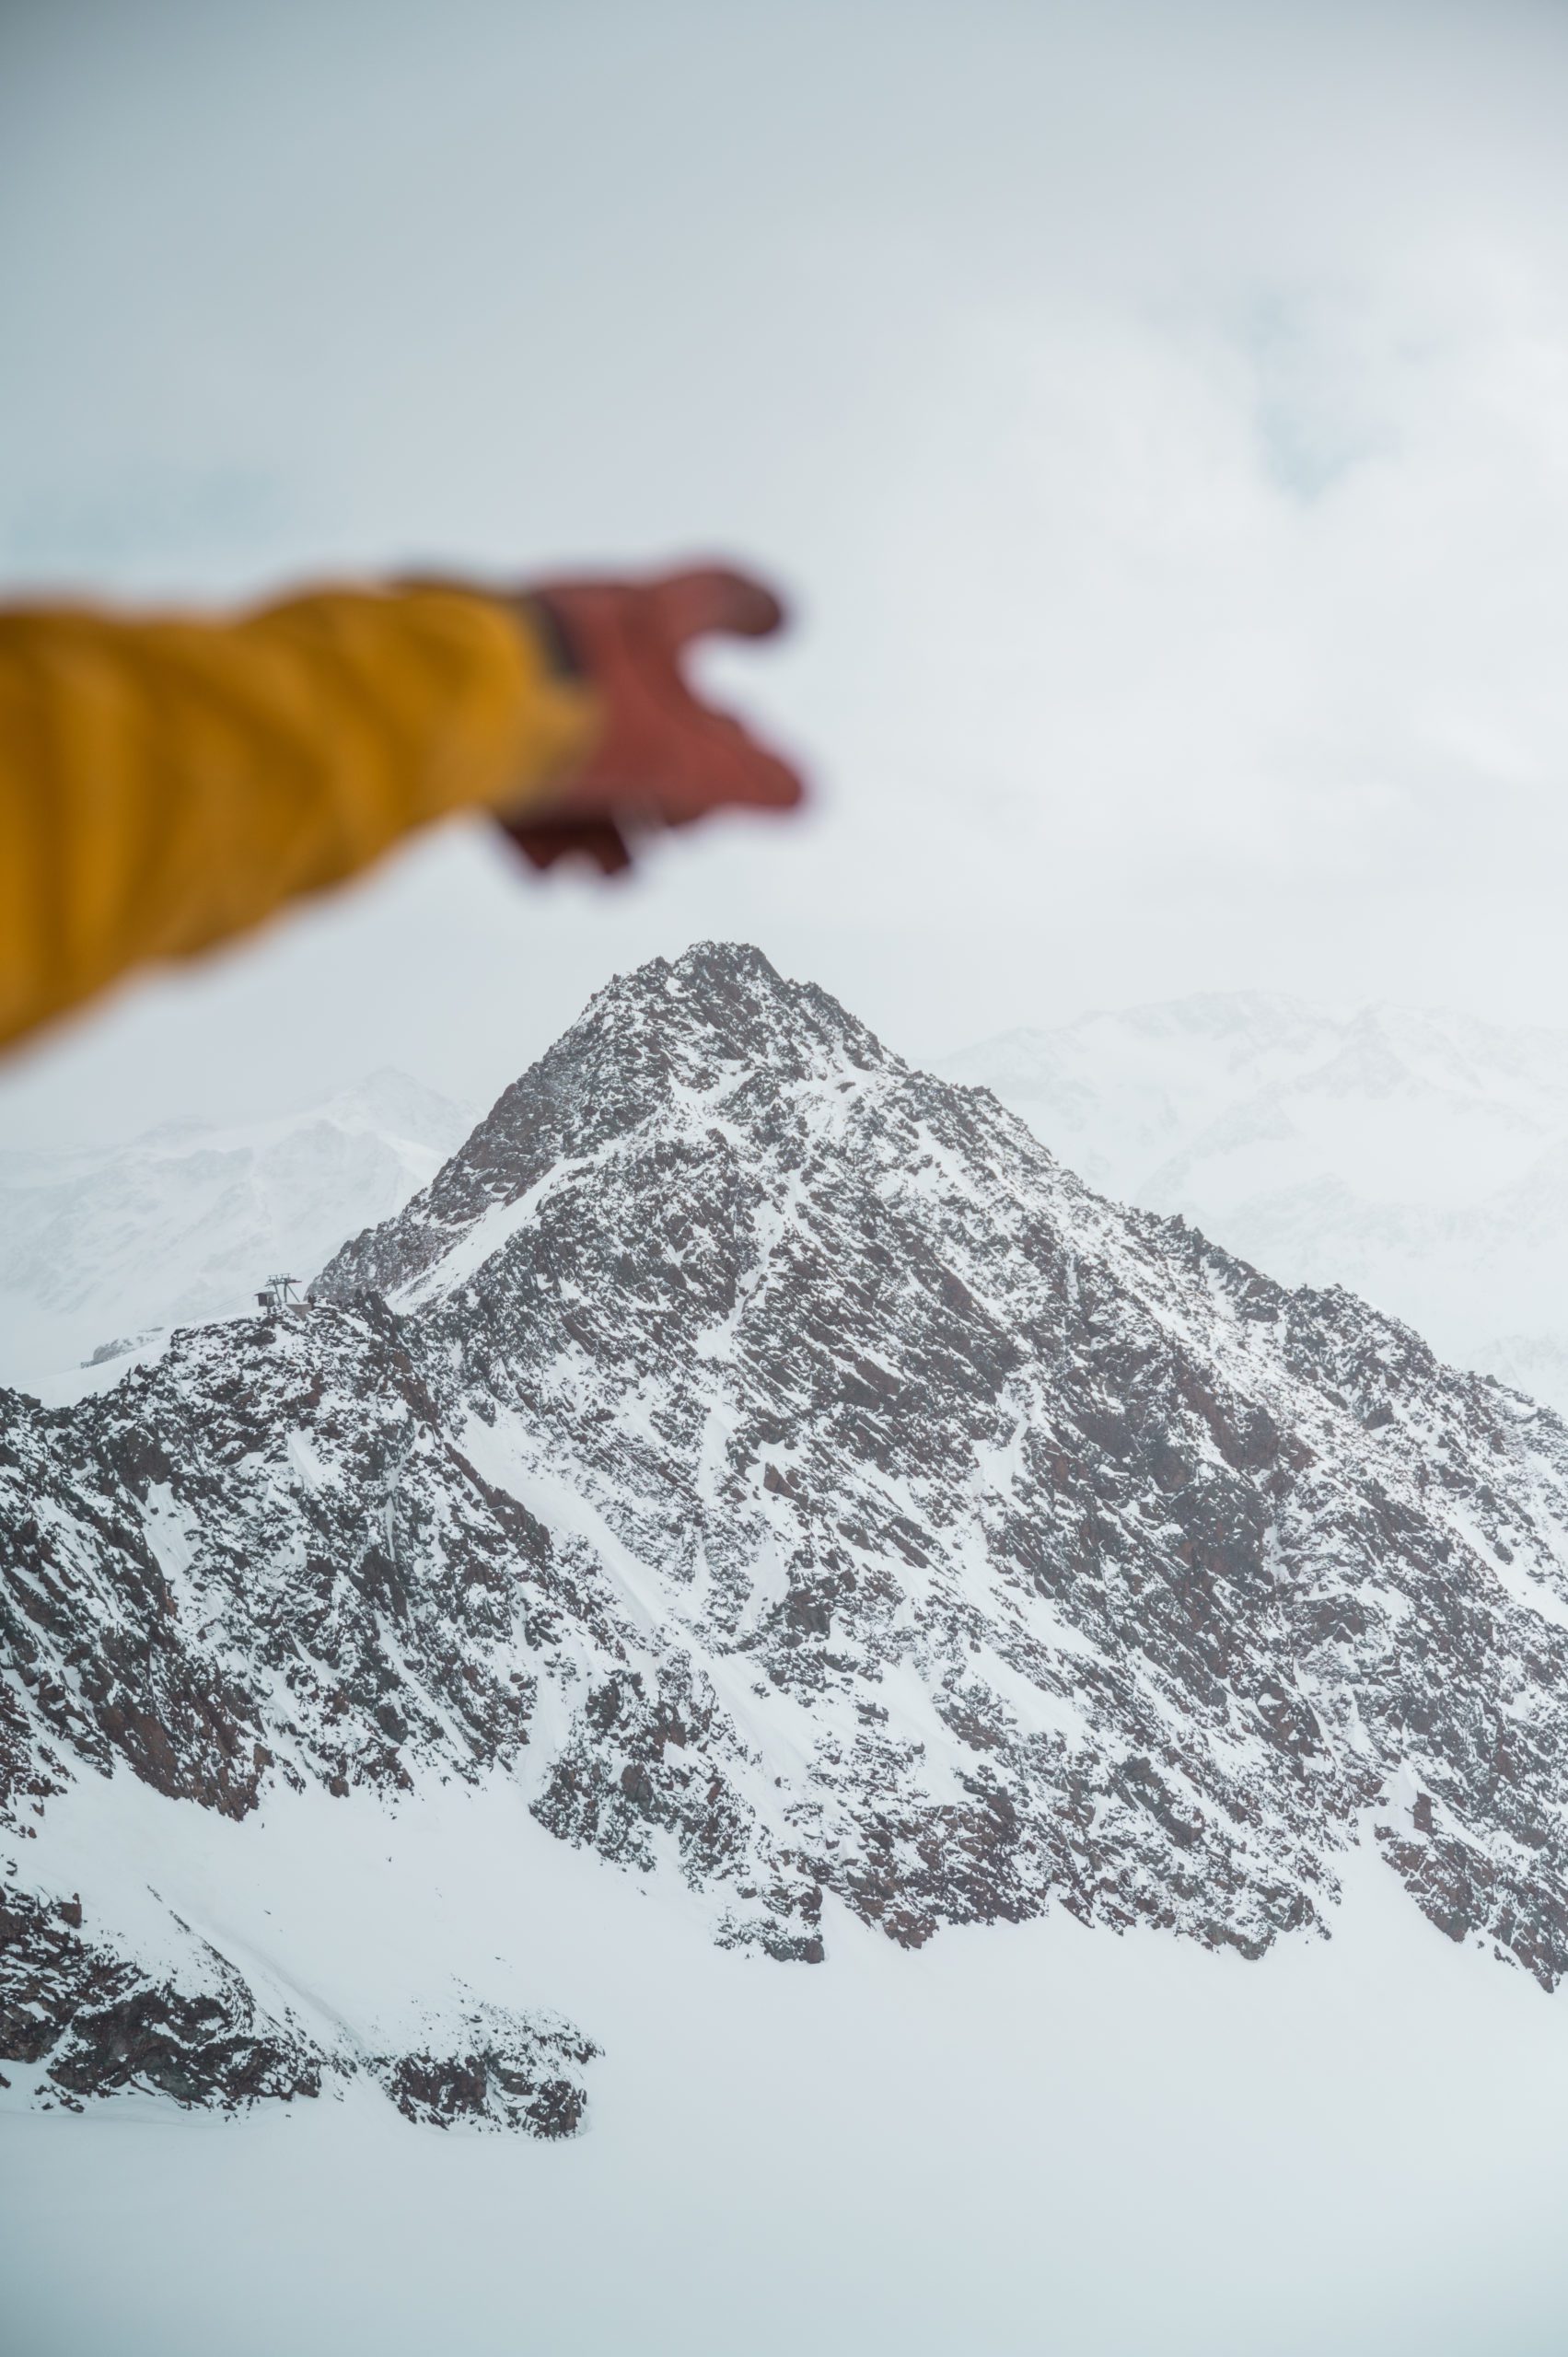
1156 415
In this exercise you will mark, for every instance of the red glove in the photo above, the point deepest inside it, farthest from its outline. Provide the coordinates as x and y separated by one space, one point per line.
664 757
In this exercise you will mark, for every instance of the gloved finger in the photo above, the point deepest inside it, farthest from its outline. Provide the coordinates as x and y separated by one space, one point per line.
542 842
702 776
685 758
713 598
729 764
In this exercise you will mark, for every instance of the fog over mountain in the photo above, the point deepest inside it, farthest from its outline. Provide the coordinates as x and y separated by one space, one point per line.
1418 1156
111 1246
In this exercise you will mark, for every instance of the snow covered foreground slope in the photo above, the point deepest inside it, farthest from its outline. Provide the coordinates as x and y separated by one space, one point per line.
1026 2141
763 1467
107 1245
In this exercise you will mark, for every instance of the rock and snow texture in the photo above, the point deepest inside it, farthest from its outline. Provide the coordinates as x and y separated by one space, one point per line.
1418 1157
97 2012
106 1247
798 1490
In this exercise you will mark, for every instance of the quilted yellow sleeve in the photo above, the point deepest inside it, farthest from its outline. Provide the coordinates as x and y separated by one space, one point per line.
165 783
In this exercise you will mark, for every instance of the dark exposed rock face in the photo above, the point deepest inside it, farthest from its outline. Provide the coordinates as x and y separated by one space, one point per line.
90 2021
496 2070
274 1506
99 2023
777 1461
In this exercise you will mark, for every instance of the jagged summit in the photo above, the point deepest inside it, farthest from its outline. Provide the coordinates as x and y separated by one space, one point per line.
717 1022
720 1011
731 991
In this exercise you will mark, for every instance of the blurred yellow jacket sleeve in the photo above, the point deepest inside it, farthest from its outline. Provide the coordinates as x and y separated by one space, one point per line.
165 783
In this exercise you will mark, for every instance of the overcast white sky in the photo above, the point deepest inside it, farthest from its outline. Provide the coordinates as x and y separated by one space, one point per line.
1159 414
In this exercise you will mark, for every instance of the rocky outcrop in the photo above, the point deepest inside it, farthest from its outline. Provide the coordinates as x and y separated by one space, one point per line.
79 2019
493 2070
94 2023
776 1462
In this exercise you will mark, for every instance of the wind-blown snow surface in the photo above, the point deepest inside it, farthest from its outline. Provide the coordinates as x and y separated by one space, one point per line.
682 1625
1418 1156
116 1244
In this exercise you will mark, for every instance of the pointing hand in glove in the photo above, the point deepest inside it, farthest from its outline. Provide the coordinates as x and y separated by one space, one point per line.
170 781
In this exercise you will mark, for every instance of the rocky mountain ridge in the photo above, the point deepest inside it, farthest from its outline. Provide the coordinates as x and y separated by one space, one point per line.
802 1488
1416 1154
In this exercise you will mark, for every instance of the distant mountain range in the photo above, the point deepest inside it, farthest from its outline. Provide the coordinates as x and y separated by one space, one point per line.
111 1246
780 1478
1418 1157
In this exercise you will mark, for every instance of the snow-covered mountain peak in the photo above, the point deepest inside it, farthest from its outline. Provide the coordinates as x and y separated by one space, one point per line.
769 1469
720 1012
393 1104
717 1034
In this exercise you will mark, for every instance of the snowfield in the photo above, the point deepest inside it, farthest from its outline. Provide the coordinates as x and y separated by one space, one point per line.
1023 2140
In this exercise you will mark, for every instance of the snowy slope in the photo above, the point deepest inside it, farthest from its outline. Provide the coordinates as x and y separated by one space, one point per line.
1025 2141
109 1244
1417 1156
